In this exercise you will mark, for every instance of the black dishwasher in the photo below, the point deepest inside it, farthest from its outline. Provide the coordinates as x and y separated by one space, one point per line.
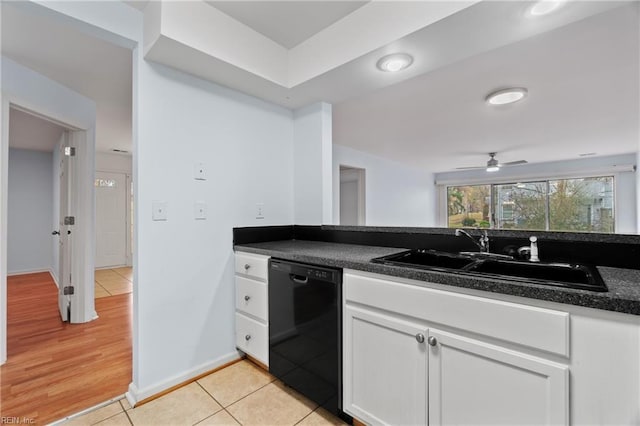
305 330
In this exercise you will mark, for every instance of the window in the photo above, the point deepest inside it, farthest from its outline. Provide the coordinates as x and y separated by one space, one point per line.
584 205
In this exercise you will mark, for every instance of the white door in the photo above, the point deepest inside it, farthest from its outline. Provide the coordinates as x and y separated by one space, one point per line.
385 368
475 383
111 219
65 231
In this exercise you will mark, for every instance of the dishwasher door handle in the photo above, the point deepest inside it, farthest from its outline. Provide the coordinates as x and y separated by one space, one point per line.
299 279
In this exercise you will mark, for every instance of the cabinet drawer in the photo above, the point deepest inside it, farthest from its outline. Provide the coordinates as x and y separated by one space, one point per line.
252 338
252 265
538 328
251 297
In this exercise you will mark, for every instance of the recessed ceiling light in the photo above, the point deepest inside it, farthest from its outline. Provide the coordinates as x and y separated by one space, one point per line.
545 7
394 62
506 96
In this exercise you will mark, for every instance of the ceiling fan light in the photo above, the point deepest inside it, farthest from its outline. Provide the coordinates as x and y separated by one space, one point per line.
506 96
493 168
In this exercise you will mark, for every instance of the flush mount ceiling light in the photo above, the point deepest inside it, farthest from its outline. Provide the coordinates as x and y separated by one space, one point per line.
506 96
394 62
545 7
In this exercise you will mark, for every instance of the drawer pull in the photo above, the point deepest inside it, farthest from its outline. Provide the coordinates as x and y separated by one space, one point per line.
247 297
246 266
247 337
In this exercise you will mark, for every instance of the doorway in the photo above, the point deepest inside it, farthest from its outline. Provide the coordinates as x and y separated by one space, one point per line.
352 196
111 219
42 205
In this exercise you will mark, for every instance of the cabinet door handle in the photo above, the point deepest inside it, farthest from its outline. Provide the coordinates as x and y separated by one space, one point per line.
247 297
432 341
247 337
420 337
246 266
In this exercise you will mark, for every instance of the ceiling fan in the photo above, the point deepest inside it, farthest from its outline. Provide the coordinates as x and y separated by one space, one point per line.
493 165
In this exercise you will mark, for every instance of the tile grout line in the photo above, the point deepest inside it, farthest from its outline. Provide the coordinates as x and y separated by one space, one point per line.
212 397
126 413
250 393
232 416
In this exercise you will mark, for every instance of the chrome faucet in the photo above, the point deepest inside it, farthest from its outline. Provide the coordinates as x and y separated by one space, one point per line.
482 242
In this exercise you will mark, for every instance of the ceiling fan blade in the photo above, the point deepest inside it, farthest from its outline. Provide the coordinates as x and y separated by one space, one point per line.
470 168
514 163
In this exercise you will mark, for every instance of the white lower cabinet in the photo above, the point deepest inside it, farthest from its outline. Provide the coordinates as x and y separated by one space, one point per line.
252 307
401 370
472 382
385 368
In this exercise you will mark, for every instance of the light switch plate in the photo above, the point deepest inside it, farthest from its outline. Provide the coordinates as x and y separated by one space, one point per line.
159 210
200 210
199 172
260 211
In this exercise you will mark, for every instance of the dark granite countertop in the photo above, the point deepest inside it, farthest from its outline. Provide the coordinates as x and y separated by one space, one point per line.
624 284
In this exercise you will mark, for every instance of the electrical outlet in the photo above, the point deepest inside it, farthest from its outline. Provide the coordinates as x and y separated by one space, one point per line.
200 210
260 211
159 210
199 172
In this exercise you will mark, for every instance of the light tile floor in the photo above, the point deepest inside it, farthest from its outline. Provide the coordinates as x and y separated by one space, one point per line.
110 282
240 394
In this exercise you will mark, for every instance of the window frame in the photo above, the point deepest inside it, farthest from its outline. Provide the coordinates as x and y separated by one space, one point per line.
443 187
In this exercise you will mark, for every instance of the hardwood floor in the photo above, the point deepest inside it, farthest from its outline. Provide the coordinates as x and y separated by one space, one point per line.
55 369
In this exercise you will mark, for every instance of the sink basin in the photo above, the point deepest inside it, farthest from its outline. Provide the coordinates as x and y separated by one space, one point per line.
428 259
578 276
561 274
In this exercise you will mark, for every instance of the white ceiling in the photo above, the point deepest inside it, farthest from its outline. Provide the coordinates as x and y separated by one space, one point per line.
26 131
288 23
583 97
582 74
92 67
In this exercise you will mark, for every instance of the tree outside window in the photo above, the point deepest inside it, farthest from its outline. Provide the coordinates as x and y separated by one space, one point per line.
579 205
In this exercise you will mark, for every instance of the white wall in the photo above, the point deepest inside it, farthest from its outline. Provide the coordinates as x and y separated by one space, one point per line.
312 165
119 163
185 286
396 195
625 181
30 211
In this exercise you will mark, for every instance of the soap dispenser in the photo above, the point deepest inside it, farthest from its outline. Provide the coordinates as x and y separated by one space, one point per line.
534 249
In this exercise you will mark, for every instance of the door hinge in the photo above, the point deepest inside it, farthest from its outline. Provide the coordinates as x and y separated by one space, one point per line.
68 290
69 220
69 151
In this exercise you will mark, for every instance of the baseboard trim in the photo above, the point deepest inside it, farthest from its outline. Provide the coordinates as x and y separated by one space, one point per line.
137 397
27 272
55 278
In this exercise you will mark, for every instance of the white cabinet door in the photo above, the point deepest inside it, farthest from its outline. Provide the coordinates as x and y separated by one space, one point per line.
475 383
385 368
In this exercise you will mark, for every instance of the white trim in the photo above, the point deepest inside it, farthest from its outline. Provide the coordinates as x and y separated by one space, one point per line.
4 189
135 395
87 410
497 178
28 271
129 249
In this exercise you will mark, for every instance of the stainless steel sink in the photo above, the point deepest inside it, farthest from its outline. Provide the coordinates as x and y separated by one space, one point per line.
570 275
